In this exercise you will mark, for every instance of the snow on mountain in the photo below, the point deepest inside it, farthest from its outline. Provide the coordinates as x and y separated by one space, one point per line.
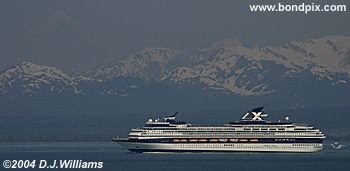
30 79
327 54
147 64
228 66
232 67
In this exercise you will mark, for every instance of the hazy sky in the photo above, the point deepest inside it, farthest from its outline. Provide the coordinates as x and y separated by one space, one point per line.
78 34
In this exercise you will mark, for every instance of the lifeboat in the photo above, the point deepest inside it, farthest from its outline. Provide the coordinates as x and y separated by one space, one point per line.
193 140
183 140
253 140
223 140
234 140
243 140
213 140
202 140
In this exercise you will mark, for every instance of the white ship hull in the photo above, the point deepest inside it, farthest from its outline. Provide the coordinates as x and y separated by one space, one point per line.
221 147
250 134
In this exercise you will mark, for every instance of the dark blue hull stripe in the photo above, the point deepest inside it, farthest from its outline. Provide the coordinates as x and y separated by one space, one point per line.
204 151
261 140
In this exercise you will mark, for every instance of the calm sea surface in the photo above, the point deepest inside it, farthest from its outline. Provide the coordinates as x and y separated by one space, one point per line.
114 157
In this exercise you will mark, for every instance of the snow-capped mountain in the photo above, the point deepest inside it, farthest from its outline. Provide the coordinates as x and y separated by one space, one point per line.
147 64
28 79
238 69
228 67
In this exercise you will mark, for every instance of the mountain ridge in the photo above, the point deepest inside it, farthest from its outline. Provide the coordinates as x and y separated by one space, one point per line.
29 78
228 67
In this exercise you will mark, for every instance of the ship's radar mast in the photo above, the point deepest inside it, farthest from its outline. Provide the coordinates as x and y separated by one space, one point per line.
171 117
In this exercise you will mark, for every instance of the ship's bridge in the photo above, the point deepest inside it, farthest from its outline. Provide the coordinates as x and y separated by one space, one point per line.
169 121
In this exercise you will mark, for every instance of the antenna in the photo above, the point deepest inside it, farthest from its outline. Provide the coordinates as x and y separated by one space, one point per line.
174 115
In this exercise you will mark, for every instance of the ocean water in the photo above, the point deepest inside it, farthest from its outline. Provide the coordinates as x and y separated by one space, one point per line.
115 158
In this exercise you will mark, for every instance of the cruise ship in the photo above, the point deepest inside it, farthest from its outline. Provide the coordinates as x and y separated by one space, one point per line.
252 133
